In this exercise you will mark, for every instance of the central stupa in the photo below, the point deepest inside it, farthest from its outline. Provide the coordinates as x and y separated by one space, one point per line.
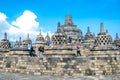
69 29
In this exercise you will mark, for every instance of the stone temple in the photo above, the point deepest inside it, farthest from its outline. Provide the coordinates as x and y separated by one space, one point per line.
64 32
100 55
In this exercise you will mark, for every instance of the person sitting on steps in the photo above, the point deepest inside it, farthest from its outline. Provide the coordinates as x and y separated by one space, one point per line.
40 51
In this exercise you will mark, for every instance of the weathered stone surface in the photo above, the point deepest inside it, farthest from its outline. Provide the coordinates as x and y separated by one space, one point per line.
59 65
36 76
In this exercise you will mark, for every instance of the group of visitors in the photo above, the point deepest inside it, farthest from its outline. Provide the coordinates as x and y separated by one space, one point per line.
32 51
41 50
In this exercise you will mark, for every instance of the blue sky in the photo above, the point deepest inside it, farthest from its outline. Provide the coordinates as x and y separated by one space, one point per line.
46 14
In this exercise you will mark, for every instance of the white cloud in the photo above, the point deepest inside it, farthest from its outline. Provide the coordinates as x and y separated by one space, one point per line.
24 24
2 16
26 21
4 25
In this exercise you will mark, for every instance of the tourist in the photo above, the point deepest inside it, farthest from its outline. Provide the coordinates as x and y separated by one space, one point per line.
48 43
32 52
119 48
43 49
30 49
78 50
29 46
70 39
40 51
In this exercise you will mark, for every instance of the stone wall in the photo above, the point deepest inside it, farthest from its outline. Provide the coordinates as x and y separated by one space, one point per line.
64 65
105 61
44 65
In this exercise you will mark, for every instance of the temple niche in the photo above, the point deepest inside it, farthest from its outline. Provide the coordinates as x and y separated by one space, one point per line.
67 31
5 45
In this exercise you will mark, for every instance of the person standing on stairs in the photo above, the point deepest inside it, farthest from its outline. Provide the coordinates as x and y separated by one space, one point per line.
78 50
